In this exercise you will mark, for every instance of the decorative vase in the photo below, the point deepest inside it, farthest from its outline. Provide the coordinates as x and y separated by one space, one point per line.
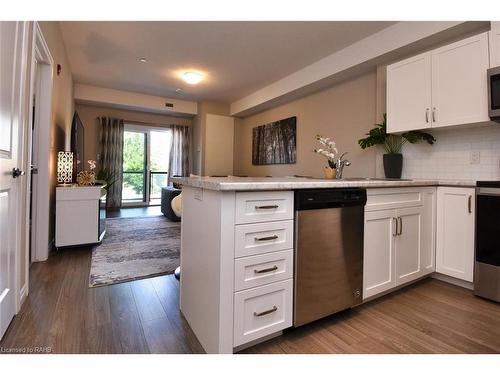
393 165
330 173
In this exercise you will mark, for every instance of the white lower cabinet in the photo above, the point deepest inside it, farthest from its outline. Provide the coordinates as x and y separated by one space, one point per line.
263 264
455 232
398 243
261 311
378 260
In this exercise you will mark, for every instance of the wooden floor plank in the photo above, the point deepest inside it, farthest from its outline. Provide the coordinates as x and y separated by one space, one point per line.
147 301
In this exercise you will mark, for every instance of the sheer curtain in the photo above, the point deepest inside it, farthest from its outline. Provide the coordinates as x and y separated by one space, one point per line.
111 162
179 151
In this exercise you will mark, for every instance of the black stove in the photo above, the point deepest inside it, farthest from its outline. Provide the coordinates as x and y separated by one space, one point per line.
491 184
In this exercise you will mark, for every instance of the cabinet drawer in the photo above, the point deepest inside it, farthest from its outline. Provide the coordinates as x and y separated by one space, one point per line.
261 311
257 270
384 199
253 239
255 207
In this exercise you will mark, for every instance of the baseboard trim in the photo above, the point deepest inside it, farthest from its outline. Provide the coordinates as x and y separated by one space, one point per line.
23 294
453 280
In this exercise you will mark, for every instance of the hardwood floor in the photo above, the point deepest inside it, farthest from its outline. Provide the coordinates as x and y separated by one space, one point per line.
64 315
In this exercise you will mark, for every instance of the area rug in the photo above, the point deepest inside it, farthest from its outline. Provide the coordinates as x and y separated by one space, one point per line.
135 248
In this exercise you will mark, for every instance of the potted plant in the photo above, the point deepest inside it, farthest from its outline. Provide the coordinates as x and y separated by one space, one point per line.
330 153
393 143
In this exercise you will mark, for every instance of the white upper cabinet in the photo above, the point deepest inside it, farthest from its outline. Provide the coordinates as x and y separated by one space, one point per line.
459 85
409 94
494 38
443 87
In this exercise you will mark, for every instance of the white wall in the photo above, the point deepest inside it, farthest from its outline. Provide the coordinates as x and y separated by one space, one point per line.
449 157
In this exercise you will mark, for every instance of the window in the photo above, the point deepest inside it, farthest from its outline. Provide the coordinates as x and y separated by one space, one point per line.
146 152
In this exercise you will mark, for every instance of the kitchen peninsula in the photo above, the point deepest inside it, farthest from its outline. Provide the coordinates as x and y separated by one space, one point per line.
238 248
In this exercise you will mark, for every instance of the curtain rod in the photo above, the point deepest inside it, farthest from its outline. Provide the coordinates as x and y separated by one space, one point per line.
143 123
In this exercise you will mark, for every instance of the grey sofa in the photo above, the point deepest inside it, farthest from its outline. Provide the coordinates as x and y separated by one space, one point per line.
167 194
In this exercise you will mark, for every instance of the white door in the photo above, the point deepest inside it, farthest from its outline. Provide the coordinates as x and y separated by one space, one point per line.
494 43
378 260
409 94
11 65
459 85
408 245
455 232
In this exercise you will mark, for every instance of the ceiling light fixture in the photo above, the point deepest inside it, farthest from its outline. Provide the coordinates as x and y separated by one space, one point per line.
143 59
192 77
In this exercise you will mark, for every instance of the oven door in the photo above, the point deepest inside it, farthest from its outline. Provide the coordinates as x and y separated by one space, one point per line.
494 93
488 226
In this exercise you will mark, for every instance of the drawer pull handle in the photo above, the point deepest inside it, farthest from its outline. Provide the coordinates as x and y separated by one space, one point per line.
270 269
269 207
270 311
270 238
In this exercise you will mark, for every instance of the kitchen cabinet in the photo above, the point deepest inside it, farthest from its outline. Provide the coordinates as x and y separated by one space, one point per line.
409 94
443 87
237 265
459 85
399 238
455 232
494 44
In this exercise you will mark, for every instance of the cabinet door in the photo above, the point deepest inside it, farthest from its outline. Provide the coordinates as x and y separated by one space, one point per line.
459 85
408 244
378 260
494 43
409 94
455 232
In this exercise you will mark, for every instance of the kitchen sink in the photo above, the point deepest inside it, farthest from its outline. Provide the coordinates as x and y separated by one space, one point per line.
372 179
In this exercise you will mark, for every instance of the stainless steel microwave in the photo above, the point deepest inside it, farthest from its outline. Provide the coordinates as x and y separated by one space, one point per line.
494 93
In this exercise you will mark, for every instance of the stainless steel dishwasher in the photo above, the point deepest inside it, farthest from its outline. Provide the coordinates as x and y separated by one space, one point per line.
329 228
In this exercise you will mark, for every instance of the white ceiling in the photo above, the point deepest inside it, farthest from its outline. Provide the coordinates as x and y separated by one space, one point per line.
238 58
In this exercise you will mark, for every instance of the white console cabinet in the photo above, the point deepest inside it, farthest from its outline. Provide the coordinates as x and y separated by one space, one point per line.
79 215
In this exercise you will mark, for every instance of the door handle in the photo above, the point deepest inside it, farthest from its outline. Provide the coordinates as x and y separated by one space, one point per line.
434 114
469 205
270 238
400 225
16 172
395 232
427 115
265 270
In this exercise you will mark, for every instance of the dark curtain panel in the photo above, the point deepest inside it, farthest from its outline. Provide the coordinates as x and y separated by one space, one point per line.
111 151
179 151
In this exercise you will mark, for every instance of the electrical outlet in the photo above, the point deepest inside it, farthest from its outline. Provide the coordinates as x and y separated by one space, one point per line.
475 157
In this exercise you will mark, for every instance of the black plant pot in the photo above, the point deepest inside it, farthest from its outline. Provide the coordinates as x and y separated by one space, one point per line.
393 165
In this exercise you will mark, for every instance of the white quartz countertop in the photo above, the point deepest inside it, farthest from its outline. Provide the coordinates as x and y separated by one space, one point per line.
233 183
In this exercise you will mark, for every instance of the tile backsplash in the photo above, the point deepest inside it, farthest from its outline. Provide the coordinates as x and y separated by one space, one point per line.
450 157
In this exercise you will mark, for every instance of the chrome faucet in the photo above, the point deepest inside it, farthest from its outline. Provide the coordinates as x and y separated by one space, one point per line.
340 164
